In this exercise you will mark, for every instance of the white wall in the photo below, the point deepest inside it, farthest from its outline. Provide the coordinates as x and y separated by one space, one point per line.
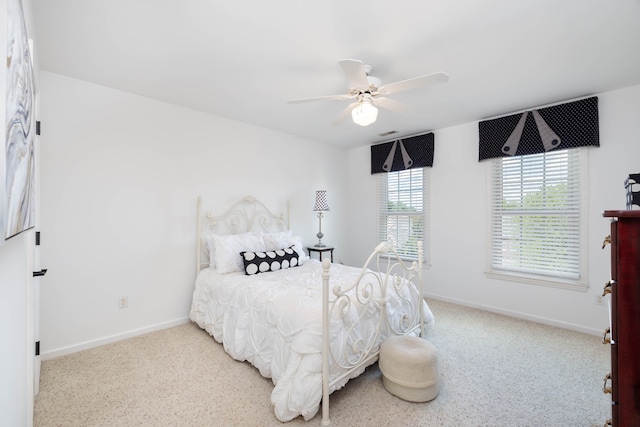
121 174
120 178
458 220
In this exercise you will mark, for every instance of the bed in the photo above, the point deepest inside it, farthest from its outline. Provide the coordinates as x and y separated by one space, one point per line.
308 325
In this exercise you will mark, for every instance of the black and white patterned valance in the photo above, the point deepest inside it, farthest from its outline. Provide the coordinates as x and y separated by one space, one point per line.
401 154
570 125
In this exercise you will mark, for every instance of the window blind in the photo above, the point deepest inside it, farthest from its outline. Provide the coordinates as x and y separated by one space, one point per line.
401 208
535 214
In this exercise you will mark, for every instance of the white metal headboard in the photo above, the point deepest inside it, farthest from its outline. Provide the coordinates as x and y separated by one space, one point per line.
247 214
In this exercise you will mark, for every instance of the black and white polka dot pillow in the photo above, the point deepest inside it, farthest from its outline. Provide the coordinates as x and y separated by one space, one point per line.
261 262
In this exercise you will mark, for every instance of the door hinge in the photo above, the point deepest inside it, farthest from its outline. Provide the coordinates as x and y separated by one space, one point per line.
37 348
37 127
37 238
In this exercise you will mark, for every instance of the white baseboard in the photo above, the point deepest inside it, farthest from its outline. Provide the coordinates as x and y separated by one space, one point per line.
113 338
536 319
118 337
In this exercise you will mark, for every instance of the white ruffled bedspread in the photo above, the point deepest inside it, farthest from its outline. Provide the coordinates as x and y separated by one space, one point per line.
274 321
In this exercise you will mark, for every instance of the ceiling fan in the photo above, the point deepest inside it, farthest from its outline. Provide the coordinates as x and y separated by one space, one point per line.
367 93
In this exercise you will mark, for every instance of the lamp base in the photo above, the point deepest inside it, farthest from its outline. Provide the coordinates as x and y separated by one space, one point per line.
320 245
320 235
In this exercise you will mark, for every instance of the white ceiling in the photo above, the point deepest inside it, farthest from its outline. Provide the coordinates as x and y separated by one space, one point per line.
245 59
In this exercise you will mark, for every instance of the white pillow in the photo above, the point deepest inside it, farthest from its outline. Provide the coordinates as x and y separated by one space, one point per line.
275 241
227 250
297 245
284 239
207 242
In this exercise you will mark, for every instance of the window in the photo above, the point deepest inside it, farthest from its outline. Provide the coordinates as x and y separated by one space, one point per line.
402 219
537 213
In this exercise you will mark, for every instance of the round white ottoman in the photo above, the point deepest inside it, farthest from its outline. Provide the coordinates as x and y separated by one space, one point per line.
409 368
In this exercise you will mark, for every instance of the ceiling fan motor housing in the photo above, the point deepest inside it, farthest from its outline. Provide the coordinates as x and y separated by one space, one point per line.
373 81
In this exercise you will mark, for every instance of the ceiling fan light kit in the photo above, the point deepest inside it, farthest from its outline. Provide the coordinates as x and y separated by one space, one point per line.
364 113
366 90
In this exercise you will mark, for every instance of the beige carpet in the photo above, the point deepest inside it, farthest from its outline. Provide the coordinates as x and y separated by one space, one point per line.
493 371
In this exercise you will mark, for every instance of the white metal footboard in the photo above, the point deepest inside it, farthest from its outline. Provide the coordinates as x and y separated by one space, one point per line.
384 276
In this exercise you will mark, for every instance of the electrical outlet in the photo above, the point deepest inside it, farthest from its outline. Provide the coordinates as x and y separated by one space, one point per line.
599 300
123 302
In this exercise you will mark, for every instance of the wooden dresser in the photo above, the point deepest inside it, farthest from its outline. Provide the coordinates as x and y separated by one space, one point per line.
624 330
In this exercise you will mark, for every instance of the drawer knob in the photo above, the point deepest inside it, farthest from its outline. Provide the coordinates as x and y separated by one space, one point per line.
607 241
606 339
605 389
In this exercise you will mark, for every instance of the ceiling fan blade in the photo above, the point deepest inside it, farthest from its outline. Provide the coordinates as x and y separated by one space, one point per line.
344 115
414 83
392 105
356 75
319 98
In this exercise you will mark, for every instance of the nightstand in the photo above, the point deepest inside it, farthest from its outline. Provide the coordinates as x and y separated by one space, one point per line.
321 250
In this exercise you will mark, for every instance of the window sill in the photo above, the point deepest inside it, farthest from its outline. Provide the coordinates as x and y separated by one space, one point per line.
531 280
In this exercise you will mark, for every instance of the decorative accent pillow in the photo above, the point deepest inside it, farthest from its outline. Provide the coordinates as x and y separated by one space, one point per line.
227 247
285 239
263 261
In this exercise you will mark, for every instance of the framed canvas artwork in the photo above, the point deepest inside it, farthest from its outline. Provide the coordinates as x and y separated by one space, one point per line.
19 137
